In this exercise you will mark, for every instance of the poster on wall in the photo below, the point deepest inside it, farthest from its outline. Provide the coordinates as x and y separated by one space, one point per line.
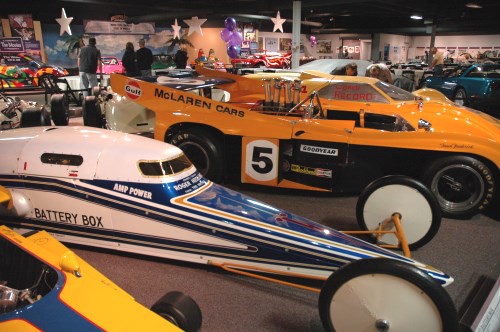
21 26
324 46
285 44
351 48
272 44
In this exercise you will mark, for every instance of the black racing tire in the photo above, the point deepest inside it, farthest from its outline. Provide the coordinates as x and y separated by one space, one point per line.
35 117
460 97
59 109
204 150
179 309
463 185
91 110
418 207
370 294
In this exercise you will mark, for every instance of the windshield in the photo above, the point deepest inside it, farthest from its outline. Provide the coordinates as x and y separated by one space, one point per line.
160 168
394 92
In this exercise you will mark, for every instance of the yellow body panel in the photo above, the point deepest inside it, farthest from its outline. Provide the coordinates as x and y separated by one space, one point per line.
92 295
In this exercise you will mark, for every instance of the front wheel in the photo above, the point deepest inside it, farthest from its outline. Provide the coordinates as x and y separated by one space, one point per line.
91 110
419 209
204 150
385 295
462 185
179 309
460 97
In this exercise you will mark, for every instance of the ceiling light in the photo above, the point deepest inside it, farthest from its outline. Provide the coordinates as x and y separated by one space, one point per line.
473 4
416 17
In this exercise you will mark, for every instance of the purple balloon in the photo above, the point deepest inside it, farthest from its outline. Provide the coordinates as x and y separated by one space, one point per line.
233 51
230 23
235 39
225 34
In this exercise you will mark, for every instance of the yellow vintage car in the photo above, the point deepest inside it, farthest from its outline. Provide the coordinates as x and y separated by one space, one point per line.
320 132
46 287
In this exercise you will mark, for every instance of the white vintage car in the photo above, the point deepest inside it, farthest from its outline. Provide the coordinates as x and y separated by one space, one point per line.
125 192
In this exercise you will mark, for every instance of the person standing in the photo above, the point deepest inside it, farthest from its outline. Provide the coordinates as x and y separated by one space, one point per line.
379 71
89 60
437 62
181 57
129 60
144 58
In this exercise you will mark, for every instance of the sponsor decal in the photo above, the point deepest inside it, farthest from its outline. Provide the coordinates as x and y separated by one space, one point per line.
132 191
133 90
191 183
319 150
319 172
198 102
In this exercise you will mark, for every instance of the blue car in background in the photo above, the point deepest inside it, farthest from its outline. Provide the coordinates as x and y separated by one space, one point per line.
476 86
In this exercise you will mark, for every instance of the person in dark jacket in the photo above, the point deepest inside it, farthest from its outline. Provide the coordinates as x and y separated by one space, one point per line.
129 60
181 57
144 58
89 60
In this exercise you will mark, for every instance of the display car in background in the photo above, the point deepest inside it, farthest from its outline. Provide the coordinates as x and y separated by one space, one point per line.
264 59
476 86
78 184
46 287
23 71
327 66
111 64
16 112
338 134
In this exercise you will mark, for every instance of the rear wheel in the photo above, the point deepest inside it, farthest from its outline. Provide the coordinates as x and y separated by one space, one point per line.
179 309
59 109
460 97
419 209
91 110
385 295
35 117
204 150
462 185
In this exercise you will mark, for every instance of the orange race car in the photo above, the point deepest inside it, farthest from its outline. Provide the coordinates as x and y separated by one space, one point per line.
315 132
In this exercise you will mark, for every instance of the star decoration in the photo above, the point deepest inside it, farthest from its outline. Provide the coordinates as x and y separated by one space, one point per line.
195 24
64 22
278 22
177 29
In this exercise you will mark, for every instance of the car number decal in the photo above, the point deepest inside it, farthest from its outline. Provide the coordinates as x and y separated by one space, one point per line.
260 161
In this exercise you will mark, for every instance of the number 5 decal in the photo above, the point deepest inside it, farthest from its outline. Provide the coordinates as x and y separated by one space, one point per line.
260 161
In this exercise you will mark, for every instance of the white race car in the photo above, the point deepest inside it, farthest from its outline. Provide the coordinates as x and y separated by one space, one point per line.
125 192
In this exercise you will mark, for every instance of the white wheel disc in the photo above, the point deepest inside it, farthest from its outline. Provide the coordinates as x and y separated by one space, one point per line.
369 300
409 202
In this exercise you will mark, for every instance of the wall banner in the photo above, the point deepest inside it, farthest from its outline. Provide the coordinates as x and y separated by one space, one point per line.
118 28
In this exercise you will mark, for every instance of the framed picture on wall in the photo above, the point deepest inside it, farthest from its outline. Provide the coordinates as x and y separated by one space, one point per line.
272 44
285 44
324 46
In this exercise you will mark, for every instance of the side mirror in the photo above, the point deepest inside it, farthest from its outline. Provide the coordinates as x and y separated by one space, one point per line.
69 263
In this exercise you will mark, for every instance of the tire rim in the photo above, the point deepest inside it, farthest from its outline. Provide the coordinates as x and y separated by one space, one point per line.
459 98
197 155
457 187
380 301
416 212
